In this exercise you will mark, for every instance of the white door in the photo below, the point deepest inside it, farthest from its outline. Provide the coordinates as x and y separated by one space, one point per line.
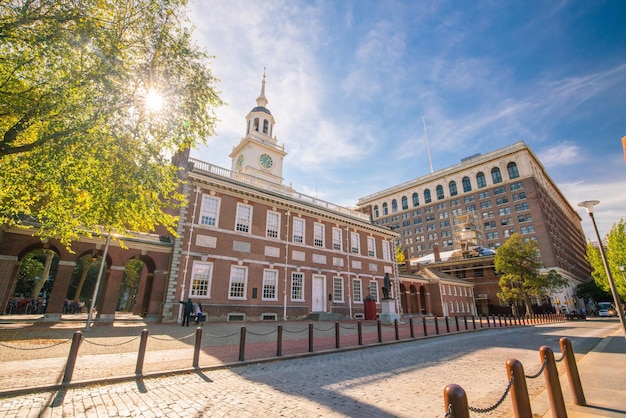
317 293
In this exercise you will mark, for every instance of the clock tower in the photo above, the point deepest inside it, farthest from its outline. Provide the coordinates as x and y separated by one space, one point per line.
258 153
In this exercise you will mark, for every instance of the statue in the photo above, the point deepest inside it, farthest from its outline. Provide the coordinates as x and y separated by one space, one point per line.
386 286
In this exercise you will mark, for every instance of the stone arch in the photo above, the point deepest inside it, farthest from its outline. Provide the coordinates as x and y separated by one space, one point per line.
403 299
423 300
414 302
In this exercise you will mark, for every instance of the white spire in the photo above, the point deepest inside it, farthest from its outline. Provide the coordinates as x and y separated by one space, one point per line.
262 100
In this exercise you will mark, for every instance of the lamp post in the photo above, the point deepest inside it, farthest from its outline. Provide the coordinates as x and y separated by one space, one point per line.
588 205
98 280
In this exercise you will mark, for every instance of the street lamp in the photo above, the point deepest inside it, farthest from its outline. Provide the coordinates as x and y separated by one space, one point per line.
588 205
98 280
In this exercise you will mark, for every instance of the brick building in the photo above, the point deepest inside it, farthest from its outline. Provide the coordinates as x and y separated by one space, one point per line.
480 203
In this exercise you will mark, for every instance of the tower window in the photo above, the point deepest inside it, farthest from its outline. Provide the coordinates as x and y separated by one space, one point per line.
265 126
256 124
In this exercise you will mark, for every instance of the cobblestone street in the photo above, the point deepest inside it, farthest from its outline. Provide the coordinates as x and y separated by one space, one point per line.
405 379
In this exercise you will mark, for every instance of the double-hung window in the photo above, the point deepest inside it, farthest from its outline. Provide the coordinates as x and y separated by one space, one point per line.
201 274
297 286
318 235
298 230
238 282
272 227
337 239
355 243
270 284
209 210
243 219
371 247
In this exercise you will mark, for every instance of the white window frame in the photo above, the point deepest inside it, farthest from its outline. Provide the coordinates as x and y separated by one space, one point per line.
386 251
371 246
209 210
201 271
318 234
337 239
338 293
270 281
357 291
238 275
373 289
243 218
355 243
299 226
272 224
297 279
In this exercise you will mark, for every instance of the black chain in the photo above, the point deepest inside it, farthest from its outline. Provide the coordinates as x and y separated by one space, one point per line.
110 345
497 404
536 375
224 336
562 356
294 332
450 413
324 330
172 339
34 348
261 335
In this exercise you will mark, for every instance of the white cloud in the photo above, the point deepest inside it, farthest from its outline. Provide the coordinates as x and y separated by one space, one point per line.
565 153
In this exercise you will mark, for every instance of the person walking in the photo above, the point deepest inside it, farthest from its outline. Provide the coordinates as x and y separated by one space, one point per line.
199 317
187 309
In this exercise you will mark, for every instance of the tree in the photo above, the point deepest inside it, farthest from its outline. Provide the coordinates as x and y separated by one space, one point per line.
519 265
615 251
400 259
590 290
80 145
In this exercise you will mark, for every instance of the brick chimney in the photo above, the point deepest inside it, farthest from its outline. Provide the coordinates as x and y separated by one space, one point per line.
436 253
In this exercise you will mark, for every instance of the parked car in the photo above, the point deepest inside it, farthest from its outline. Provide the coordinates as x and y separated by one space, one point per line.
603 312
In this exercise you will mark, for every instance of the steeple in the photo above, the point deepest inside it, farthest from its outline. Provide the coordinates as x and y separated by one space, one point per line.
258 153
261 101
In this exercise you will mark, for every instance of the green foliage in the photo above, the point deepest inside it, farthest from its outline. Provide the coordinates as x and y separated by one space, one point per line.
31 268
590 290
79 146
519 265
400 259
615 251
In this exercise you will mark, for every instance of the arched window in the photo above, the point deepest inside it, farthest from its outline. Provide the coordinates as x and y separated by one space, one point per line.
394 206
427 198
480 179
416 199
405 203
452 187
467 186
496 176
385 209
439 190
256 124
266 125
248 127
375 211
512 169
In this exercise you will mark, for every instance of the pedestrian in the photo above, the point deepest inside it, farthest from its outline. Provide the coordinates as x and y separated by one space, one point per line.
199 318
187 309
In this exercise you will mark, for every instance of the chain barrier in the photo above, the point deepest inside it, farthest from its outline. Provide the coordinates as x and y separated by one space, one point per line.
324 330
35 348
497 404
295 332
562 356
536 375
450 413
261 334
350 327
110 345
172 339
223 336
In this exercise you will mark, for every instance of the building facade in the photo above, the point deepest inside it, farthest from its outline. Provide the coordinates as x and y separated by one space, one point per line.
250 247
480 203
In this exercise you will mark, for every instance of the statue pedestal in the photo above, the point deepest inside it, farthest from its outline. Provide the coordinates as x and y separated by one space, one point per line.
388 314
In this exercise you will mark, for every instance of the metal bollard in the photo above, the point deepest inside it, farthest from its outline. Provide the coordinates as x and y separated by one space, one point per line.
456 322
575 385
455 402
447 325
474 322
310 338
77 338
465 321
411 327
500 320
380 331
360 329
436 325
279 341
553 386
425 327
196 347
395 326
242 344
519 392
141 355
337 345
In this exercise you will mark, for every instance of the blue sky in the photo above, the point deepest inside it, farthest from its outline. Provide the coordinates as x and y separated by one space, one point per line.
349 81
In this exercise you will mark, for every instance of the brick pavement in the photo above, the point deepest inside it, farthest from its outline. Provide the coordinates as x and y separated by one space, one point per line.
403 380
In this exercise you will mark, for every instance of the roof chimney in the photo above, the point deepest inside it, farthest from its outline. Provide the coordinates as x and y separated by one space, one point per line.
436 253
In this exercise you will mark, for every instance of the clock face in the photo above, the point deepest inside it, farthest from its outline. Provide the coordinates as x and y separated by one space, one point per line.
240 161
266 160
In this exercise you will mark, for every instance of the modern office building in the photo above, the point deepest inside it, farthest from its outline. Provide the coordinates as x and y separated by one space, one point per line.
250 247
462 210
